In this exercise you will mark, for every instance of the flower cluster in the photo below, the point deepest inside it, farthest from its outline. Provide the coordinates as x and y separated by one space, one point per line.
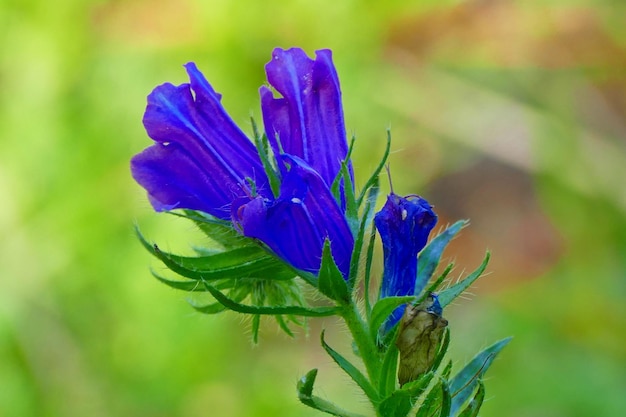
202 161
284 205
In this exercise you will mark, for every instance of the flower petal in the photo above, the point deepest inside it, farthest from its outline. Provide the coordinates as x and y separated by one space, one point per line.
296 224
404 224
192 128
308 119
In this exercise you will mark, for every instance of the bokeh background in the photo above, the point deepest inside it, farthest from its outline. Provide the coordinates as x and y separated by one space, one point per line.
510 113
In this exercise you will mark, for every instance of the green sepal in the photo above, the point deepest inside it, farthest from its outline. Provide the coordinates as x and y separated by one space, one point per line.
373 179
475 403
381 311
256 323
366 219
446 296
330 280
354 373
267 310
305 395
429 256
463 383
400 402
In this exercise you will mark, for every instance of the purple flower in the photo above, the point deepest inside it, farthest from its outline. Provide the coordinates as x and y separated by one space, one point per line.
202 161
404 224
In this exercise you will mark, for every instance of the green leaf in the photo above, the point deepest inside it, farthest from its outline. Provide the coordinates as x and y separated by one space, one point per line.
463 384
435 285
246 261
236 294
446 400
389 370
354 373
382 309
265 310
443 349
256 323
190 286
218 230
366 220
368 272
400 402
446 296
305 395
330 279
475 403
429 257
373 179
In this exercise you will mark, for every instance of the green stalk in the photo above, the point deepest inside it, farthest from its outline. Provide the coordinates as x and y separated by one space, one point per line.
360 333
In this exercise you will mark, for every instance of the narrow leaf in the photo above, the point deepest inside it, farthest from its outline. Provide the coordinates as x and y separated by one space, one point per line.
446 400
400 402
373 179
190 286
389 370
429 257
265 310
475 403
368 272
463 384
305 395
446 296
354 373
366 220
263 148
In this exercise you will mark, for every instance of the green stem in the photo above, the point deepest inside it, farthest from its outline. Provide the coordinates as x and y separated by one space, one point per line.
360 333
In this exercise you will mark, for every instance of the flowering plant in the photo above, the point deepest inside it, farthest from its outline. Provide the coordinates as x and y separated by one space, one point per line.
283 212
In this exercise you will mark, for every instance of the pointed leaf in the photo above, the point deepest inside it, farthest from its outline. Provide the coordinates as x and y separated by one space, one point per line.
463 384
366 220
354 373
400 402
373 179
218 230
289 310
446 296
429 257
263 148
446 400
368 272
330 281
246 261
186 285
475 403
381 311
389 370
305 395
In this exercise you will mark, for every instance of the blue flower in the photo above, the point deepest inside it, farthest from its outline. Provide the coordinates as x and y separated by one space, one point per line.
202 161
404 224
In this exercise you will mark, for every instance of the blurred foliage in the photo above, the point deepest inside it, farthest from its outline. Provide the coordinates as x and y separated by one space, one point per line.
509 113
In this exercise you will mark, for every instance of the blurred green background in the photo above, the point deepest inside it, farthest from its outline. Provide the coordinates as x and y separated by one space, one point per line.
509 113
